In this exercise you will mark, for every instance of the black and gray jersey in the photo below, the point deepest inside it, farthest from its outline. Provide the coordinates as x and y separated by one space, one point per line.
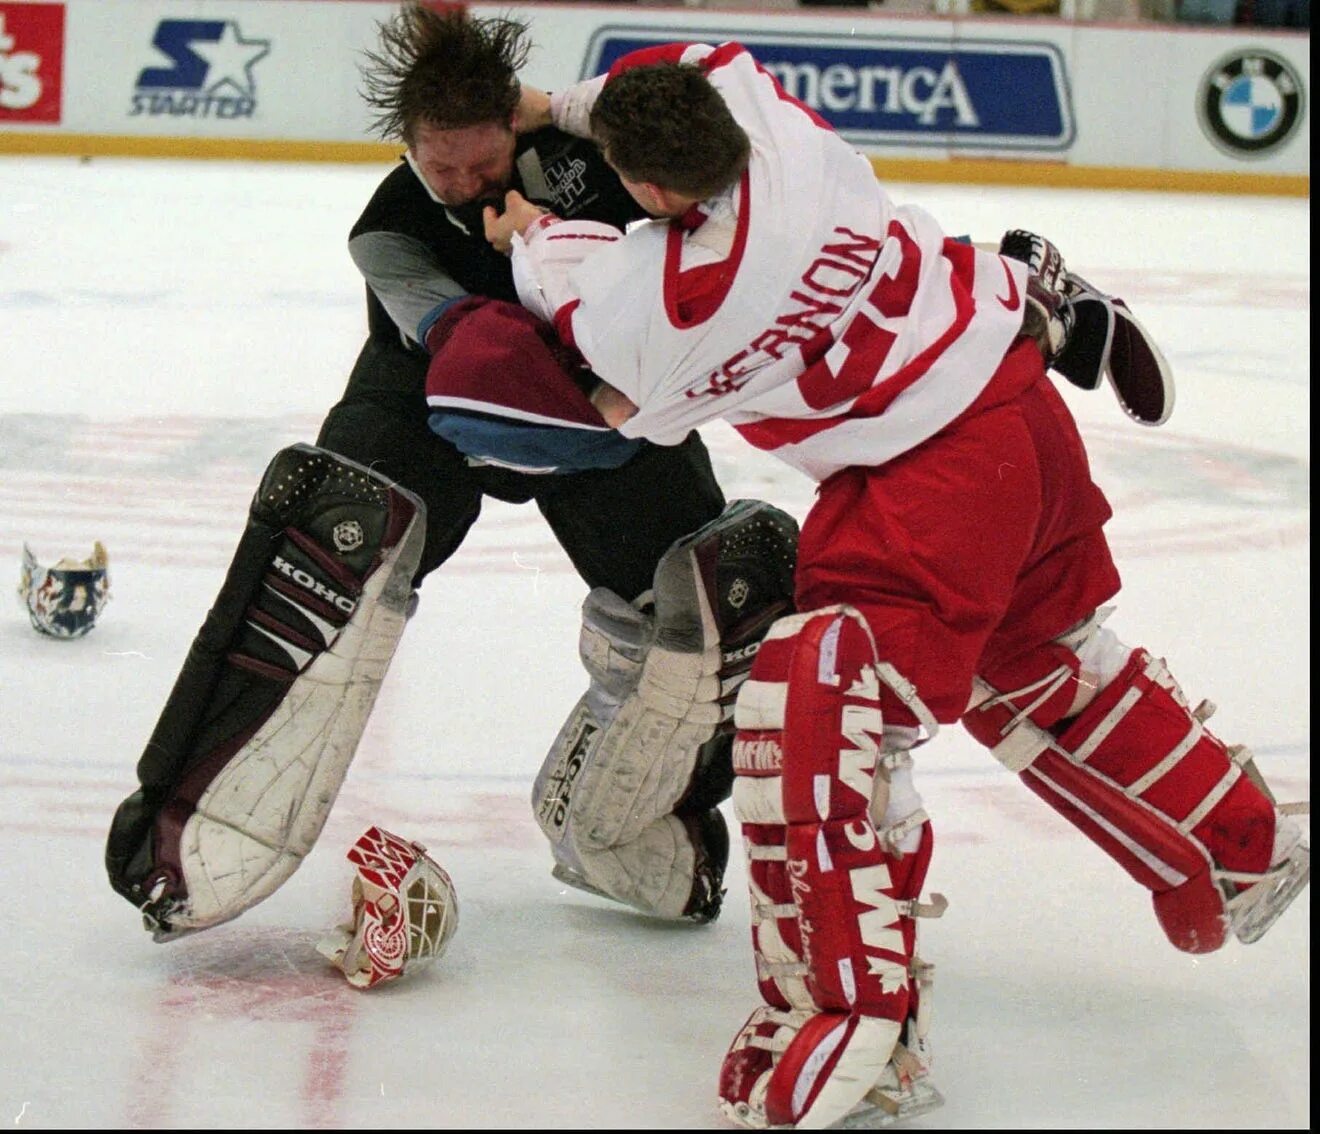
417 255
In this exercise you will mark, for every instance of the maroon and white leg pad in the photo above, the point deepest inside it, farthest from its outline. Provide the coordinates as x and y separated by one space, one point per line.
839 1039
1136 770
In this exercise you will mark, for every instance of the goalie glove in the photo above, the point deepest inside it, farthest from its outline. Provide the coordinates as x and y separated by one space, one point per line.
1049 317
1088 336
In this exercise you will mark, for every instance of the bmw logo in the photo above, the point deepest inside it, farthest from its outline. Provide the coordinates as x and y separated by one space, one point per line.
1250 103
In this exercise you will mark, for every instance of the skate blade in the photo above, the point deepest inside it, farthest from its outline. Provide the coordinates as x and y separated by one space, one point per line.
878 1110
1258 918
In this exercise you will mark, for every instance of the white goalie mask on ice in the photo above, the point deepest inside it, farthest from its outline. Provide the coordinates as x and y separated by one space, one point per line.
64 601
405 911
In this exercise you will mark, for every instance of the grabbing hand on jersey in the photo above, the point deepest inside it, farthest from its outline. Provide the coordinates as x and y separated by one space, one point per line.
518 216
612 404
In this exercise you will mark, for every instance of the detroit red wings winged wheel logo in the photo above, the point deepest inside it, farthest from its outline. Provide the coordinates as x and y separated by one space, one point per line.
405 911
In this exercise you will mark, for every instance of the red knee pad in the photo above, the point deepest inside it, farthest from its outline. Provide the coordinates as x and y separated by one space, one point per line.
809 714
1044 685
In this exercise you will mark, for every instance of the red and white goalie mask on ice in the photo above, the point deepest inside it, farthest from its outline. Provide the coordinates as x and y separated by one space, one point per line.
405 911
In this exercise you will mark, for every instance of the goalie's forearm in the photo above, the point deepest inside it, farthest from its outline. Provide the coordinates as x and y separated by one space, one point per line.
570 108
533 111
543 269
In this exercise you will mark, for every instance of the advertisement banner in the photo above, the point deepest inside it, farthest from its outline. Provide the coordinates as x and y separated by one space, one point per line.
1250 103
31 63
211 72
269 70
938 90
1031 101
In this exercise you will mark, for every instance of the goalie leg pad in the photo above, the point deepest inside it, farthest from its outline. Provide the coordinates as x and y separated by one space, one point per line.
833 902
1138 772
254 741
628 793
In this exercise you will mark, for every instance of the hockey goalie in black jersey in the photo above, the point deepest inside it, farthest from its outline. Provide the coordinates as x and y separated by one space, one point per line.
256 736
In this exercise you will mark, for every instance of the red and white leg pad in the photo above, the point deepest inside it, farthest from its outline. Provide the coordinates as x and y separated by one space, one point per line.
832 903
1137 772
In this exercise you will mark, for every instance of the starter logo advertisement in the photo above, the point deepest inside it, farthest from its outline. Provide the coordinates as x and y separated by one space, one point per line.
210 73
986 94
1250 103
31 62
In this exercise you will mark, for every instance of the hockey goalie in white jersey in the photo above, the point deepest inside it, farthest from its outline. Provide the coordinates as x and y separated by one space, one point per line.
953 568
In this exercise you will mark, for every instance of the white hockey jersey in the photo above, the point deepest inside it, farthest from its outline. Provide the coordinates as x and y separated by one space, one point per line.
845 330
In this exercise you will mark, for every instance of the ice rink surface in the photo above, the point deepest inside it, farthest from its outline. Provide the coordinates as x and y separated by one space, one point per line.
167 326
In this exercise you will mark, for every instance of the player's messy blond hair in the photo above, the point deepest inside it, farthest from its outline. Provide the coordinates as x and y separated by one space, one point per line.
447 69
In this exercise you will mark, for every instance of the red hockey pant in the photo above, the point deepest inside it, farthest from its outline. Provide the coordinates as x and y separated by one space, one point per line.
980 544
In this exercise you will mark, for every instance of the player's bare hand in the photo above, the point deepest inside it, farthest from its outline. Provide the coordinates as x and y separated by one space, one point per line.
613 405
519 214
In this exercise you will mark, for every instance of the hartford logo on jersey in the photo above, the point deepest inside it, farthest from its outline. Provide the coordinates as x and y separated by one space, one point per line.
875 89
210 73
